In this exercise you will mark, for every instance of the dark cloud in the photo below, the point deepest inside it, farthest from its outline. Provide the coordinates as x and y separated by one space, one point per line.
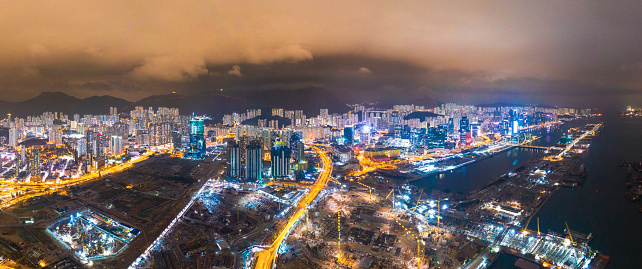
551 52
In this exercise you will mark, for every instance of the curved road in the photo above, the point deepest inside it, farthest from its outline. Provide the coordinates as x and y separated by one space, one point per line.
266 258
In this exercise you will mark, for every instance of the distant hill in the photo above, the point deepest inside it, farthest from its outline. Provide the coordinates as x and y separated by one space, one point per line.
60 102
213 103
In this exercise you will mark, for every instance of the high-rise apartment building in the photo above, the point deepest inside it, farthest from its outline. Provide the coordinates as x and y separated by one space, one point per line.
234 154
280 164
254 160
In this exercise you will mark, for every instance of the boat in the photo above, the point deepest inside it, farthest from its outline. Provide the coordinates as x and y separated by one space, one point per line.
600 262
568 184
632 196
640 208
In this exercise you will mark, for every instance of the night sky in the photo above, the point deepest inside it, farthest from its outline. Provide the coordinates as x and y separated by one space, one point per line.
582 53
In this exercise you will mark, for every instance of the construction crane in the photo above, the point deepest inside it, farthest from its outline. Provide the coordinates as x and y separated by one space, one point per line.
196 236
418 199
393 198
339 232
419 242
570 235
367 187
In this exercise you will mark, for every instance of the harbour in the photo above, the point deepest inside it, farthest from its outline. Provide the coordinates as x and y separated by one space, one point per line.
564 206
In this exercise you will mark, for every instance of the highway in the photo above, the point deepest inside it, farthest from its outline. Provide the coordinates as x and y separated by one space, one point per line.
266 258
39 189
570 146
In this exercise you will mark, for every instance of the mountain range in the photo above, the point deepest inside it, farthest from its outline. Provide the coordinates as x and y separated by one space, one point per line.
212 103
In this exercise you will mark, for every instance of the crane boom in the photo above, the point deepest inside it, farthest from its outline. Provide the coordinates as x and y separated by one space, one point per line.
569 233
390 193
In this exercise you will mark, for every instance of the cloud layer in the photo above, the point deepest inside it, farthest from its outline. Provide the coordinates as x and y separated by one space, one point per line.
159 45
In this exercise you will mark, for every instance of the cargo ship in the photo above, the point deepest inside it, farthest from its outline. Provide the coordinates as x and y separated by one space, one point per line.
600 262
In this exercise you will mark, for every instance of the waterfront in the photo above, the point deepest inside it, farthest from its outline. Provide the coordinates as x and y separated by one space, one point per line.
598 206
479 174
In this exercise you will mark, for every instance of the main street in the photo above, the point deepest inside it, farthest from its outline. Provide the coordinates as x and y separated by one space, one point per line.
267 257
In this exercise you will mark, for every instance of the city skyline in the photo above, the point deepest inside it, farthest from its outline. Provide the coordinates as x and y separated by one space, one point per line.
334 134
544 53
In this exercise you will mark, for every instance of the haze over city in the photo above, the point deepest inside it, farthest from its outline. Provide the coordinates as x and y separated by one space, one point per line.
333 134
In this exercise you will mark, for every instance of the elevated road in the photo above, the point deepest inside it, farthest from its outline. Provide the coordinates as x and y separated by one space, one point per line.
267 257
570 146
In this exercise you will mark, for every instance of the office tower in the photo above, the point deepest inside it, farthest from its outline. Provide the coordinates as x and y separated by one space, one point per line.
196 139
348 135
116 145
474 129
280 160
464 125
254 160
513 121
177 140
405 132
234 158
89 142
300 152
506 130
451 126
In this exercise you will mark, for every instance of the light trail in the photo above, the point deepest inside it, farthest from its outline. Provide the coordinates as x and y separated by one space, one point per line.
51 188
266 258
578 139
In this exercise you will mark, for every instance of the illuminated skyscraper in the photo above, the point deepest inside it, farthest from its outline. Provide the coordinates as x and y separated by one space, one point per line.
116 145
89 145
464 125
196 139
348 135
